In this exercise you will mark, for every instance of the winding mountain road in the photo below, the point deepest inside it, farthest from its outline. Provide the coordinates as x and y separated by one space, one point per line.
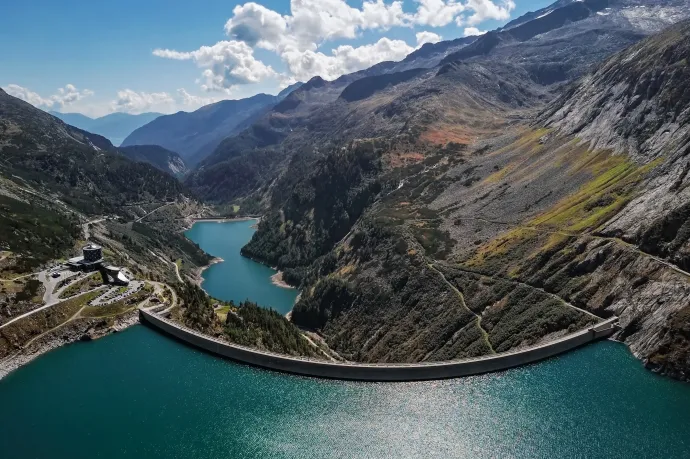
478 317
85 226
154 210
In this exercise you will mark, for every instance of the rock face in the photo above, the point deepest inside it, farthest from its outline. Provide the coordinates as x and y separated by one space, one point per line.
638 104
165 160
476 203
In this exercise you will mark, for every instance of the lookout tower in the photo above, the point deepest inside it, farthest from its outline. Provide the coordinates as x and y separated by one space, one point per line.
92 253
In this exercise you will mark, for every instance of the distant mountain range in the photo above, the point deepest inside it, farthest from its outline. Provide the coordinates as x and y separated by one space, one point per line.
51 171
194 135
115 127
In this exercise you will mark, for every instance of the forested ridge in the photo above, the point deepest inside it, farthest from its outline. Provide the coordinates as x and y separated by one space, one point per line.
246 323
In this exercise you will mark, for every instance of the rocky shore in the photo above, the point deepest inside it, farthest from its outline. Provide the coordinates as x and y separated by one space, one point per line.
277 280
71 332
190 221
198 273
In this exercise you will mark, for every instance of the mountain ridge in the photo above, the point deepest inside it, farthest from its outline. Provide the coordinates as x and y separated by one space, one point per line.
115 126
487 175
195 134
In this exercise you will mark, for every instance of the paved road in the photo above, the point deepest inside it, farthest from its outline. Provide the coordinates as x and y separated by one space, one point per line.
56 302
144 216
177 268
50 298
132 288
86 225
49 283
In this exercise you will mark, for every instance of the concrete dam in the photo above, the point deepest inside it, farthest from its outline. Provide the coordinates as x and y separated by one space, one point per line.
379 372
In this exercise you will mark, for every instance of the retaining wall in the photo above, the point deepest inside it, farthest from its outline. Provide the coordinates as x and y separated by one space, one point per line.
380 372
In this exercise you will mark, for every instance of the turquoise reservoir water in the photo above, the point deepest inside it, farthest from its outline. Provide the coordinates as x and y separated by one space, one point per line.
140 394
238 278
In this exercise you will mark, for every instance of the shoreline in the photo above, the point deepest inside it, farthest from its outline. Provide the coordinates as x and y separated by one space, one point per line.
190 221
224 219
69 333
198 273
277 280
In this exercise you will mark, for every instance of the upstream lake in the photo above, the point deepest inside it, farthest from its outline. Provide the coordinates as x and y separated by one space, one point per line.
141 394
238 278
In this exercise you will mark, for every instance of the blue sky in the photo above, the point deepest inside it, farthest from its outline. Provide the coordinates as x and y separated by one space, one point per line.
171 55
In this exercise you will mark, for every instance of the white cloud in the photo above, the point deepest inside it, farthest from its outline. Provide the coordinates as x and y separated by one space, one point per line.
70 94
256 25
130 101
64 97
127 100
27 95
437 13
487 9
190 100
473 31
299 38
427 37
310 23
227 64
344 59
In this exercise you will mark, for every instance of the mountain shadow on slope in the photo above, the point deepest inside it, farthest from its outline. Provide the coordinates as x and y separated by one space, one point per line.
159 157
194 135
84 169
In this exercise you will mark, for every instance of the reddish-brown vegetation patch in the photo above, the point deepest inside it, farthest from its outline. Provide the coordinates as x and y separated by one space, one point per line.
397 159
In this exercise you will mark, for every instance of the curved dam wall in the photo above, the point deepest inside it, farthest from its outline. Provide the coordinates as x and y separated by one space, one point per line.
380 372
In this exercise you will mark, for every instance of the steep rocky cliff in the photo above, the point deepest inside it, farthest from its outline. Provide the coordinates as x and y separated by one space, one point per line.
160 158
638 103
489 201
506 237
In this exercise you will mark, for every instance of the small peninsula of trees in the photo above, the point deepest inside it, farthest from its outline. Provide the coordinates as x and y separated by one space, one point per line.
246 323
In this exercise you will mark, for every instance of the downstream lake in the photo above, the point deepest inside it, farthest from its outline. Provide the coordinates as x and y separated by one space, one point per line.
141 394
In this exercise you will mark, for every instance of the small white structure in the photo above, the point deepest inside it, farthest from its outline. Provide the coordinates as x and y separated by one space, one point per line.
117 274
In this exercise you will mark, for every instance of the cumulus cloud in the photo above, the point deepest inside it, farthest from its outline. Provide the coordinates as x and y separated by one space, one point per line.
227 64
130 101
310 23
27 95
190 100
70 94
473 31
299 37
64 97
344 59
256 25
437 13
487 9
427 37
